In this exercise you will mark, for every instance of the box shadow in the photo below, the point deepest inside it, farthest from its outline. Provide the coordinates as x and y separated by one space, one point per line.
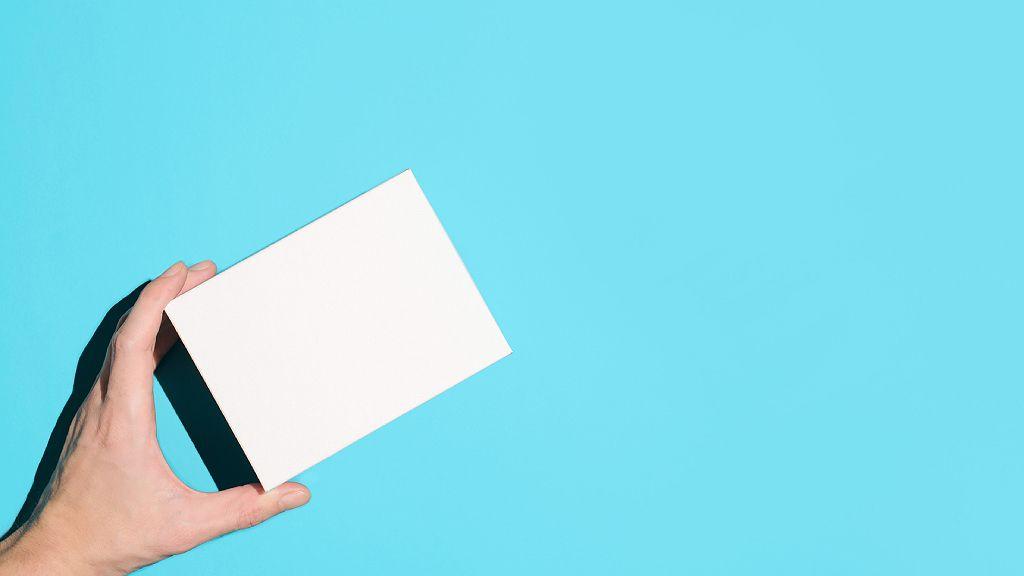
203 420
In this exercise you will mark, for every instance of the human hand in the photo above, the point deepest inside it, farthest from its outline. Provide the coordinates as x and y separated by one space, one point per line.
113 504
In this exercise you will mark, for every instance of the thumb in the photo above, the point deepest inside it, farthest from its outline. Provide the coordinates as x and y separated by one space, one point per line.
246 506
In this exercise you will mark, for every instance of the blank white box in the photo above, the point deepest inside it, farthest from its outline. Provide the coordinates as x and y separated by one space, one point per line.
337 329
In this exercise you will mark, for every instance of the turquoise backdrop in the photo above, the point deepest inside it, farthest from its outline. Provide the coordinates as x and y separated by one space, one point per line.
760 263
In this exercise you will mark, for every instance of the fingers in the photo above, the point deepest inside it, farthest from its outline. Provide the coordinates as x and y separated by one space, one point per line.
134 342
166 336
247 506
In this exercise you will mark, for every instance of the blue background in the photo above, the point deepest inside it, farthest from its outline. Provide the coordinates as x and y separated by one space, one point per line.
760 264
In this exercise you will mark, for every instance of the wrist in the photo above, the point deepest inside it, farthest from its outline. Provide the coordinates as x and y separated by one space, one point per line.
39 550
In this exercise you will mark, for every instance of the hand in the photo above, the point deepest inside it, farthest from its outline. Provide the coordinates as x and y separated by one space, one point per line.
113 504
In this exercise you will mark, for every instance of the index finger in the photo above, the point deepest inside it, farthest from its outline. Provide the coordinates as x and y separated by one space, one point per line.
133 344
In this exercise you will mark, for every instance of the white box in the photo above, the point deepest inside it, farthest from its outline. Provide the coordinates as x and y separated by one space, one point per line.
337 329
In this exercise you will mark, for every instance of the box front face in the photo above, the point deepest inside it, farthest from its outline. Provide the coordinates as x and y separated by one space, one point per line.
337 329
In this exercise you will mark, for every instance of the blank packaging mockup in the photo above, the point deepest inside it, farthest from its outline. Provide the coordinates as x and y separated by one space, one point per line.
337 329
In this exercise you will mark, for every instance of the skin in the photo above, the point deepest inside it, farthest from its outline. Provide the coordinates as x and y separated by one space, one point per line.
113 504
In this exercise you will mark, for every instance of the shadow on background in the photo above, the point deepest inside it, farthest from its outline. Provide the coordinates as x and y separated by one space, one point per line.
183 386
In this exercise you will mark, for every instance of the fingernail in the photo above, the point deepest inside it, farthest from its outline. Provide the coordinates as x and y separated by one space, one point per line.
200 265
293 499
173 270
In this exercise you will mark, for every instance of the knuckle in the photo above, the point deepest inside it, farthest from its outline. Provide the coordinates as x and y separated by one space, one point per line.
124 342
249 516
